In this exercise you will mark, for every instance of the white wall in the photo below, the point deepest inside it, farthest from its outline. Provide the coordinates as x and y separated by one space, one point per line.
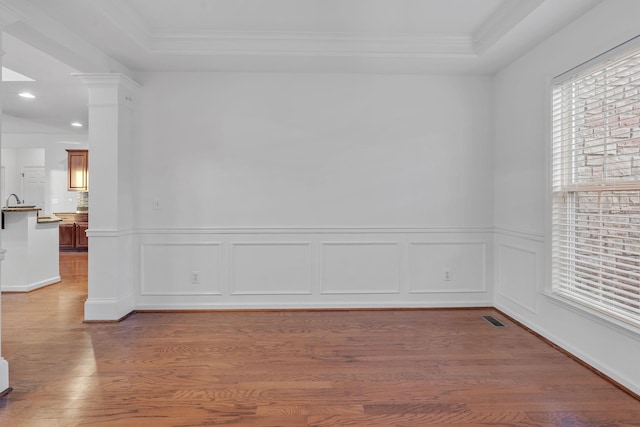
14 161
313 150
53 158
521 165
312 190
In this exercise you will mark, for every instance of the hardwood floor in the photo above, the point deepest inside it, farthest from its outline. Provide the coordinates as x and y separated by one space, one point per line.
292 368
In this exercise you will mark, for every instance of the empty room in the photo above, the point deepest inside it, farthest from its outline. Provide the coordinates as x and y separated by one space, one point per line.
320 212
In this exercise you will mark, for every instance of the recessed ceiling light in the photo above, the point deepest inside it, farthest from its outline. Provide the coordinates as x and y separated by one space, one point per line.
76 124
27 95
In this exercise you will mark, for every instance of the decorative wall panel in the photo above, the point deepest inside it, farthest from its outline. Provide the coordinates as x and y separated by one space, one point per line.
360 267
447 267
312 268
270 268
517 275
180 269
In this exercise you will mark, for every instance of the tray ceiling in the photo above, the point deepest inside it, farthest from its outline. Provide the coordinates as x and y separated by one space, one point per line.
50 39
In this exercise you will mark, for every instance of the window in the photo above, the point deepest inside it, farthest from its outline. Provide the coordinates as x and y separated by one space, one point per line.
596 185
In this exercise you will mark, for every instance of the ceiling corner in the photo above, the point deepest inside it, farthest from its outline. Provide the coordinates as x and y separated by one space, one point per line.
126 18
503 20
9 15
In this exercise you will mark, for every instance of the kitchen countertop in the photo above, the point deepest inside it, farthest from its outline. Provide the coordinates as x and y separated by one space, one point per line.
48 218
19 209
71 213
42 219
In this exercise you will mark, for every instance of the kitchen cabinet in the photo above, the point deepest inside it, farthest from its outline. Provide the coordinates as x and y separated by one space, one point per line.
82 241
67 236
73 231
78 170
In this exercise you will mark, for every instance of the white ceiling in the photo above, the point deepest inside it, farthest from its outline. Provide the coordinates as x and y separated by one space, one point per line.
59 100
370 36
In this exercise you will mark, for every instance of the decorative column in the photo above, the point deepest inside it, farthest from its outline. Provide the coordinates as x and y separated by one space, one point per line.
8 16
111 285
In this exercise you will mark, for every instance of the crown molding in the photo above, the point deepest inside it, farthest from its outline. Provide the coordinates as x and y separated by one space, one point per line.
310 44
507 16
106 80
126 19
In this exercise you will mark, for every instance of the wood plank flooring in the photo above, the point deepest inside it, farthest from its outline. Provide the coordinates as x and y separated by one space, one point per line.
293 368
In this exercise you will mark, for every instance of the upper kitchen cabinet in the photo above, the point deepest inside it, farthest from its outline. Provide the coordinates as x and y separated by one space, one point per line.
78 176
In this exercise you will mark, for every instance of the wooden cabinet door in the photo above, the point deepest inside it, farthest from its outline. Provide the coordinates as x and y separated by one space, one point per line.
82 242
67 236
78 174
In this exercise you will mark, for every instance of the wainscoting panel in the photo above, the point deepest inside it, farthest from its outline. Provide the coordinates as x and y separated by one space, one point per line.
447 267
271 268
312 268
519 269
360 268
169 269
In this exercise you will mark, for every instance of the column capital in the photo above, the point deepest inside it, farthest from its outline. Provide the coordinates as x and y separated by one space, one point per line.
107 80
109 88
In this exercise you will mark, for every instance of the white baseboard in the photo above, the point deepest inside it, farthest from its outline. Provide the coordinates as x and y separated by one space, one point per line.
30 287
107 309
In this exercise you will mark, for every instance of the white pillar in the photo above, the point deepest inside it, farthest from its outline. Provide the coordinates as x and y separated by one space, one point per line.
111 285
7 17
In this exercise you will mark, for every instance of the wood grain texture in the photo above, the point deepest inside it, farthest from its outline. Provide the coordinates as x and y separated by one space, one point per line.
287 368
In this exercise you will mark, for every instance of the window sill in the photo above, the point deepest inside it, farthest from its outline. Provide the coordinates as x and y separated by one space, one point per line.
594 315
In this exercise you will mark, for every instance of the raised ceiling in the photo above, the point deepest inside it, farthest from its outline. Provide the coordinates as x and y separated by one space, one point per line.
400 36
364 36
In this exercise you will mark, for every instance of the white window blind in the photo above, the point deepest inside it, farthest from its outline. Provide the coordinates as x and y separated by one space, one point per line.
596 185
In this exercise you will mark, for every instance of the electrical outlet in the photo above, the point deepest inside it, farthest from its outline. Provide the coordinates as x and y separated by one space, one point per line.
195 277
447 276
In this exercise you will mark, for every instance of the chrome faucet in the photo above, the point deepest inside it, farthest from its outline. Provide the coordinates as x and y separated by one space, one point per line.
17 199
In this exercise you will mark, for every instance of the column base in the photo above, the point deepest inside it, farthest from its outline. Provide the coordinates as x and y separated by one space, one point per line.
107 309
4 377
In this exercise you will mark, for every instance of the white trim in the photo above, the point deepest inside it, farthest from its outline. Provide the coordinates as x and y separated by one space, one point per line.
594 315
398 259
311 44
31 286
566 346
108 308
500 283
315 306
300 230
107 80
181 41
446 290
143 279
503 20
232 268
520 233
109 233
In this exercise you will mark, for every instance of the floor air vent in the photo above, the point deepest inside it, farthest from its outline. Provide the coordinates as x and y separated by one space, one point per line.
495 322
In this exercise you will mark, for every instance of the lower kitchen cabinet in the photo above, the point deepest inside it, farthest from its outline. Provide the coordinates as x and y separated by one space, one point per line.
73 231
67 236
82 241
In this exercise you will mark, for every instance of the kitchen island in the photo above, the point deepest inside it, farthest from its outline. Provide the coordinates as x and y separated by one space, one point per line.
31 242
